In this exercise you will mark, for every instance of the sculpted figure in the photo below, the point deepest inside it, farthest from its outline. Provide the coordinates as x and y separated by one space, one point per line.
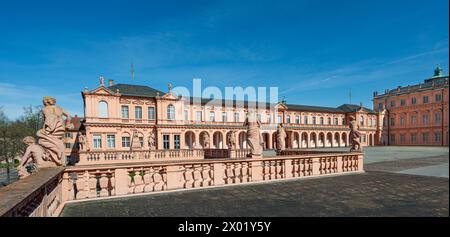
281 138
33 158
82 142
205 139
152 141
254 137
50 136
231 138
354 135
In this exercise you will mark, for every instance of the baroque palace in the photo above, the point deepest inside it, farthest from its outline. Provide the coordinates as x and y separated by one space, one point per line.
417 114
122 117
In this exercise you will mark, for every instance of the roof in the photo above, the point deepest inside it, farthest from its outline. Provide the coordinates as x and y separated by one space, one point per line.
145 91
135 90
347 108
77 122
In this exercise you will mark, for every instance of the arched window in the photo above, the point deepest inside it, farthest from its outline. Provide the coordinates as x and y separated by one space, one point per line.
361 120
170 112
102 109
321 120
329 121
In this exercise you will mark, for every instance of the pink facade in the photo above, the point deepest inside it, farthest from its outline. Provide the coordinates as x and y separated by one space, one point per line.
123 117
415 115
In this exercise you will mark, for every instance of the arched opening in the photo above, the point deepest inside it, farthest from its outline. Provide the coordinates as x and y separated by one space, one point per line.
204 140
344 139
218 140
313 140
329 140
266 140
242 140
336 141
274 140
102 109
189 140
370 139
296 141
304 140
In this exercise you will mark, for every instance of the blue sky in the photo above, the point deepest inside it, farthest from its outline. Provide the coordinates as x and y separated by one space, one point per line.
314 51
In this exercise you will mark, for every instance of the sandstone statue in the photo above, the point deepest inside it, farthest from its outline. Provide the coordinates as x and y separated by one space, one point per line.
50 136
205 139
135 141
231 139
82 142
281 138
254 137
33 158
152 141
354 135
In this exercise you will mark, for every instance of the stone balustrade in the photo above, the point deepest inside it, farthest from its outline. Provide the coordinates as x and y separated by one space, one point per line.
115 157
45 193
226 153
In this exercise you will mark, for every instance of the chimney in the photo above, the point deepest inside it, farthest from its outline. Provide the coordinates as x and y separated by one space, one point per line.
110 82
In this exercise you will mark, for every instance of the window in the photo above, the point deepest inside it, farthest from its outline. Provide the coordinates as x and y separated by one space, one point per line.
343 121
125 141
279 119
425 119
329 121
212 116
425 137
314 120
198 116
425 99
151 113
437 137
236 117
437 118
321 120
392 103
413 101
402 138
141 141
380 106
111 140
170 112
176 141
166 142
392 120
370 122
336 121
102 109
269 118
288 119
186 115
68 145
305 119
402 121
361 120
402 102
438 97
297 119
392 138
138 112
413 138
68 134
97 141
413 120
125 112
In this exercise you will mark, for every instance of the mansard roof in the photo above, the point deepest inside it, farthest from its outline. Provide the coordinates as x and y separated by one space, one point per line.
353 108
135 90
145 91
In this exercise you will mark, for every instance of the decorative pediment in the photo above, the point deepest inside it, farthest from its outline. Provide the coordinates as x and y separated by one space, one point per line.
102 91
170 96
281 106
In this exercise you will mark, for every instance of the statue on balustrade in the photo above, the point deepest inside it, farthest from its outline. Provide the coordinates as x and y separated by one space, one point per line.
152 141
254 136
231 138
49 152
82 142
355 135
205 139
281 138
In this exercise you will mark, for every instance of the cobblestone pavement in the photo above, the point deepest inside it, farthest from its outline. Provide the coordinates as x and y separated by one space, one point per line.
393 185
